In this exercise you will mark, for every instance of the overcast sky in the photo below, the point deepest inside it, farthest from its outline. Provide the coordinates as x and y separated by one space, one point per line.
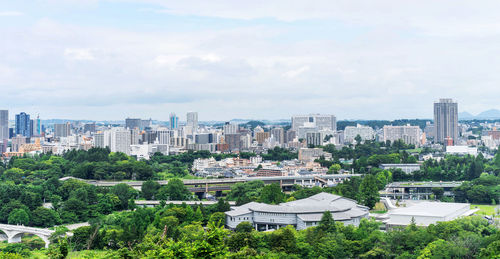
259 59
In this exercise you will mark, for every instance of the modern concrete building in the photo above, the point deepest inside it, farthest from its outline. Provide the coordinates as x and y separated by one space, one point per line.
407 168
320 121
174 121
461 150
365 132
4 125
278 134
62 130
417 190
133 123
23 124
233 140
301 214
314 139
445 120
409 134
425 213
192 120
230 128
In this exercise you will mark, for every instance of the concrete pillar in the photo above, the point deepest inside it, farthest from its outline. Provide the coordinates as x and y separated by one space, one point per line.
206 187
267 227
13 236
46 240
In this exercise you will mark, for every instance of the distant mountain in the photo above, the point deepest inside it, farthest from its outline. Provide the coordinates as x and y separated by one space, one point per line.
489 114
465 116
492 114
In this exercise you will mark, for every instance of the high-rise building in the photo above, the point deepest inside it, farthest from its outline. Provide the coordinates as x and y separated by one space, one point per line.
233 141
62 130
409 134
445 120
230 128
314 139
262 136
278 134
290 135
89 127
192 120
320 121
174 121
37 127
23 124
133 123
4 124
351 132
120 140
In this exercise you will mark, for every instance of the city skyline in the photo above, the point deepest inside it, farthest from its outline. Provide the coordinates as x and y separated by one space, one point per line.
115 59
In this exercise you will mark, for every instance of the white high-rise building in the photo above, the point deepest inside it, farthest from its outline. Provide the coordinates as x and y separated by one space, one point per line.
409 134
163 136
320 121
192 120
120 140
365 132
4 124
230 128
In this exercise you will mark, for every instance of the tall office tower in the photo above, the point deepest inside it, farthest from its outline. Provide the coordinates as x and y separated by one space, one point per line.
262 136
23 124
174 121
135 136
278 134
120 140
314 139
36 126
445 120
131 123
89 127
4 124
290 135
62 130
147 123
233 140
230 128
326 121
192 120
163 136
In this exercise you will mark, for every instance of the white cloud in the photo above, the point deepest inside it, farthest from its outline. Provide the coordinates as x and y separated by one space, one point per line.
11 13
296 72
78 54
403 57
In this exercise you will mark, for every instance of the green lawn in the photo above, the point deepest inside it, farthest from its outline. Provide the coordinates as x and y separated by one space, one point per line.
484 209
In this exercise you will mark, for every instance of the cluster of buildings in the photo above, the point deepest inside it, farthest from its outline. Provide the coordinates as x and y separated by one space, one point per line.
142 138
255 167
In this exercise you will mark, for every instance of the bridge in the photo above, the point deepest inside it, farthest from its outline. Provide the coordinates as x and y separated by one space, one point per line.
224 184
14 233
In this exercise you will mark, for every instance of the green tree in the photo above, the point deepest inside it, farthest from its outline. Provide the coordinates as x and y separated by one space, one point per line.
149 189
327 223
174 190
272 194
368 190
43 217
19 217
124 192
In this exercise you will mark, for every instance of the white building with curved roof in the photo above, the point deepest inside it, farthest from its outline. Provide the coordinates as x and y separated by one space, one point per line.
301 214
